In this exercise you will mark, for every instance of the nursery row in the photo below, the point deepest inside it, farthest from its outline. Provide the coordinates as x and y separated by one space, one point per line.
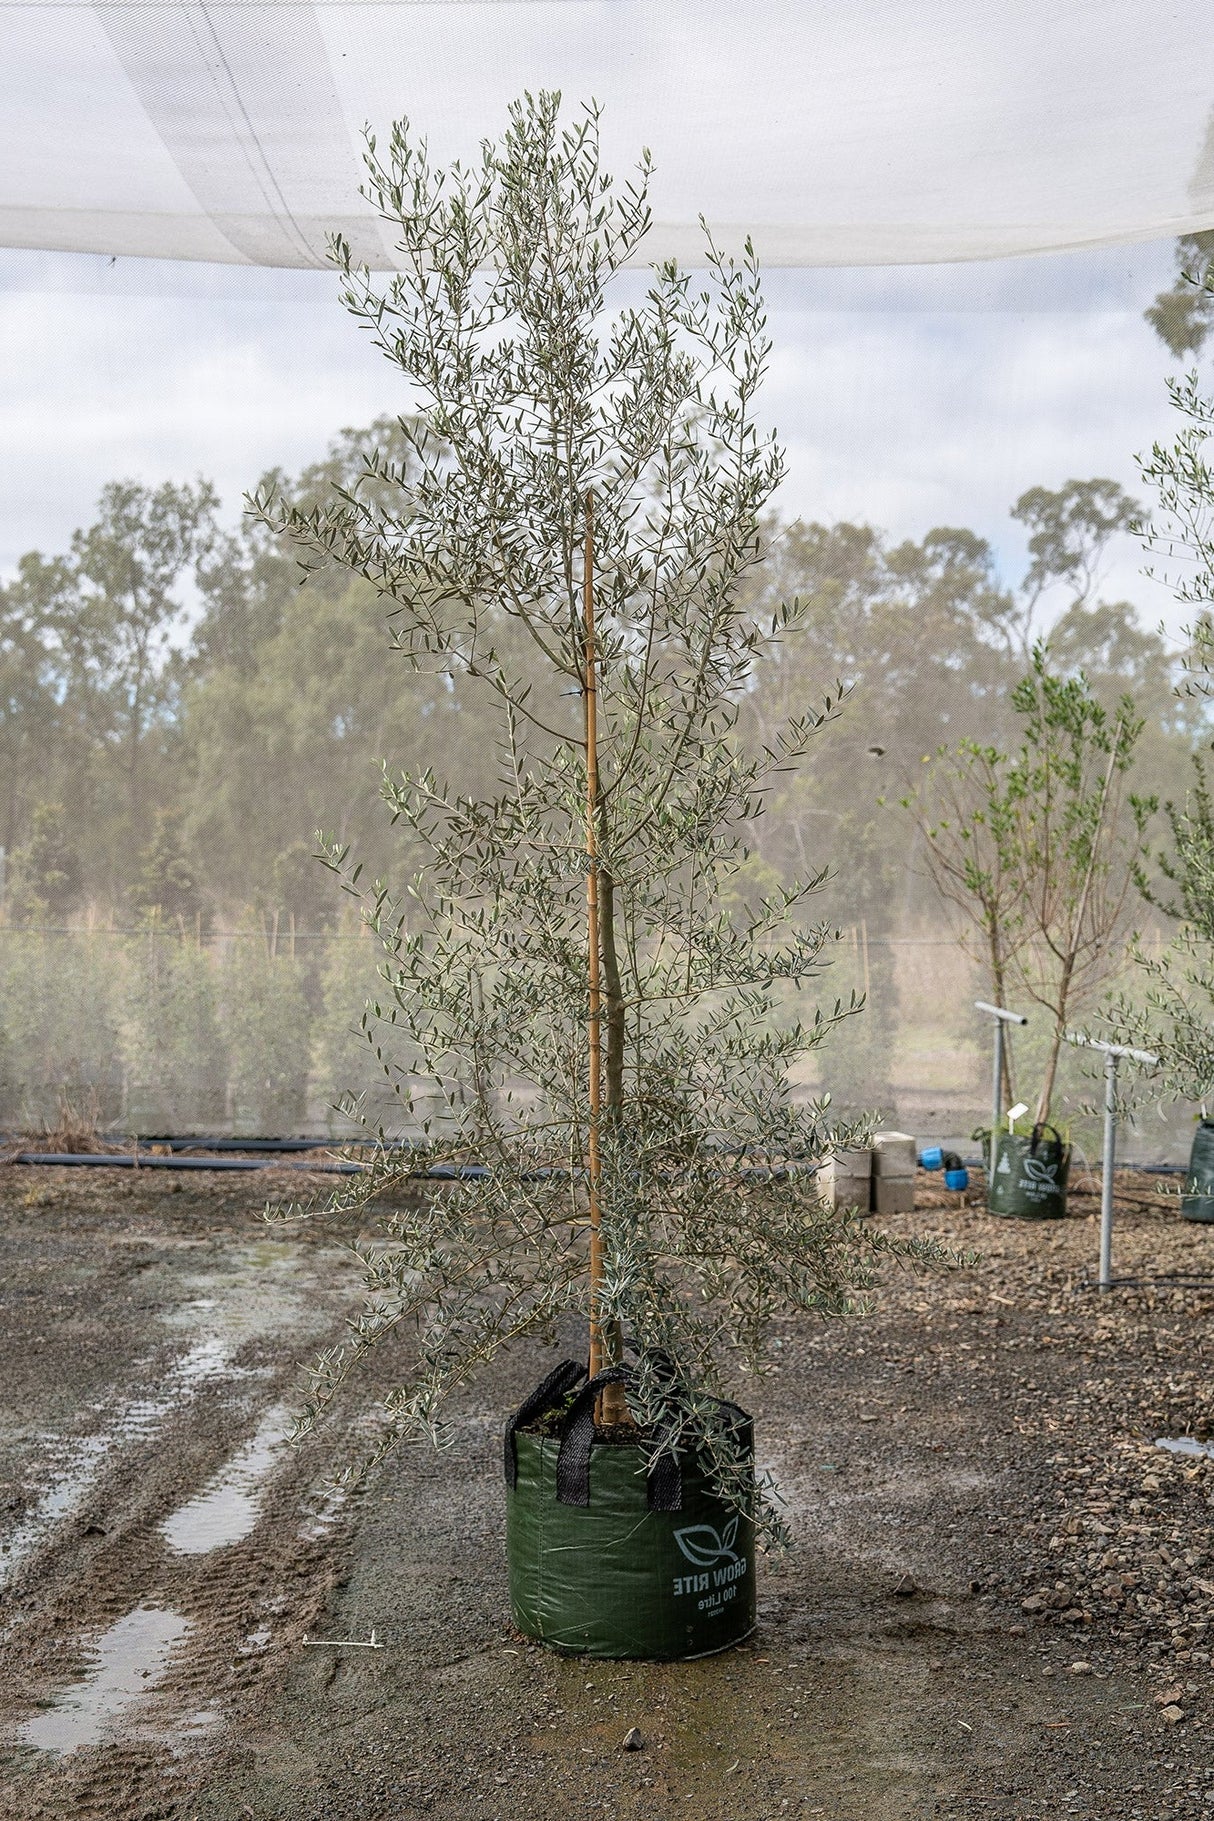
256 1032
150 1032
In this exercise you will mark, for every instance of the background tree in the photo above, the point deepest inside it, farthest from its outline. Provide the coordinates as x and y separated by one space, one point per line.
1183 315
1174 1014
45 871
1174 1018
1070 530
966 810
166 885
1041 847
35 714
129 565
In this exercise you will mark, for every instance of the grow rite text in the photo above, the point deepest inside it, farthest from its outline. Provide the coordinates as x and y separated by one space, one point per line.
717 1577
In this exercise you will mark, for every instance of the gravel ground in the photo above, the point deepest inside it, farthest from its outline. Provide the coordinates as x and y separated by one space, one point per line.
999 1605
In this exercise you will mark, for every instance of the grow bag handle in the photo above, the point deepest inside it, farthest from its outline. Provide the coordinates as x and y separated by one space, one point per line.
664 1479
1038 1130
558 1383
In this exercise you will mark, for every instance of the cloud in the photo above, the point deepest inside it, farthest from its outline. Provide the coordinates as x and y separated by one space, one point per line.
907 397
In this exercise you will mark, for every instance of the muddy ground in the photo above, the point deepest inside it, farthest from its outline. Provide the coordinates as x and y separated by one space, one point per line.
999 1605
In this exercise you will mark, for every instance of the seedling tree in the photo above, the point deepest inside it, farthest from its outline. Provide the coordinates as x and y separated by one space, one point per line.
570 1018
1039 848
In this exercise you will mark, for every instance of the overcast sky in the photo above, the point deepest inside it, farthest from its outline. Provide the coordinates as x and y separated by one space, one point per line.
907 397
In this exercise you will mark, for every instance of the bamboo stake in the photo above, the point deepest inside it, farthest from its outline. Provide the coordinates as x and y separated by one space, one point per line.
594 1158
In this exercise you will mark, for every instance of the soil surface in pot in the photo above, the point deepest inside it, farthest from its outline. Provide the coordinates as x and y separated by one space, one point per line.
999 1609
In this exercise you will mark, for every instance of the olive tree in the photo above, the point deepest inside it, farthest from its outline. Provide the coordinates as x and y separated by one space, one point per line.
573 1023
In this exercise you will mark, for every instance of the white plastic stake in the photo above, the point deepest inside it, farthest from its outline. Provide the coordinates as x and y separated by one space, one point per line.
371 1643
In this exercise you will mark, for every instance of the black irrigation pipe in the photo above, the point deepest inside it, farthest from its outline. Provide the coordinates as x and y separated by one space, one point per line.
126 1160
120 1160
204 1143
271 1144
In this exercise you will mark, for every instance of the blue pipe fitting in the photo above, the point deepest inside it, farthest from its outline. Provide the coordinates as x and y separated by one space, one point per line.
956 1176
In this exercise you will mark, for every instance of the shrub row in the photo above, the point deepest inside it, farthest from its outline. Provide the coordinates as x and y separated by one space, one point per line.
155 1032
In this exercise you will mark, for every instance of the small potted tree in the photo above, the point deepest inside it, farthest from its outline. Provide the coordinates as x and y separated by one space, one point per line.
1039 850
582 1039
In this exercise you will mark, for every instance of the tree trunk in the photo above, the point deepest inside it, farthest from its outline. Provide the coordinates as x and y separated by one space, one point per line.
1051 1065
999 983
1068 966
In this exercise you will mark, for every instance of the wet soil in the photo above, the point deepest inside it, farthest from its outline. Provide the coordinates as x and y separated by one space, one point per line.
999 1606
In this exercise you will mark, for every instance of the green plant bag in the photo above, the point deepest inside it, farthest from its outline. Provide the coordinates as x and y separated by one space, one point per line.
1197 1203
613 1552
1029 1177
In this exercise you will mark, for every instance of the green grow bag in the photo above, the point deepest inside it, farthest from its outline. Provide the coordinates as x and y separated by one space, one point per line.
1197 1203
613 1553
1029 1177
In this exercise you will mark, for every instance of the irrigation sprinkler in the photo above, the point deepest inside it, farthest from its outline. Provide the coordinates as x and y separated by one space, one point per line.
1000 1017
1112 1053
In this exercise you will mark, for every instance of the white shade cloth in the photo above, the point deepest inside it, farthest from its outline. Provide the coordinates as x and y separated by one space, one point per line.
836 132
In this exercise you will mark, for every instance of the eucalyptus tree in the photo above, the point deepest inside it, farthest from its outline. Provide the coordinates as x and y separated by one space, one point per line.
1183 315
129 567
570 1015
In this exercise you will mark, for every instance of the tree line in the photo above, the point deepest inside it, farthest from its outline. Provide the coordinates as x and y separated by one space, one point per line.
183 708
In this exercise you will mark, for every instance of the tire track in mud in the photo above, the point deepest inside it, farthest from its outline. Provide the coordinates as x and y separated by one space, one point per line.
96 1568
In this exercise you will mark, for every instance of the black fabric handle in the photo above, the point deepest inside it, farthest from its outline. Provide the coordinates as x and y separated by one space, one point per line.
577 1438
559 1382
664 1482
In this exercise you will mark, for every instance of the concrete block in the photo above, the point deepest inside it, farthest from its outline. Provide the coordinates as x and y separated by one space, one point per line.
845 1180
893 1194
893 1154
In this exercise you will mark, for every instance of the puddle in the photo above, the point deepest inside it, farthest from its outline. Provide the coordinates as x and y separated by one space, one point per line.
258 1291
71 1479
228 1508
1185 1444
262 1289
131 1659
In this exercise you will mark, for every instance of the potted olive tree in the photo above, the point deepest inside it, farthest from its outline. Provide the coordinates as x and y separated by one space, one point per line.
1038 850
586 1043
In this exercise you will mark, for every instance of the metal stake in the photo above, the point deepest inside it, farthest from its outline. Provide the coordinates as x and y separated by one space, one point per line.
1107 1166
1001 1018
1113 1052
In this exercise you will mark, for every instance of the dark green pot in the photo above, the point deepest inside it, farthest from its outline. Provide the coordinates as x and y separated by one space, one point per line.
615 1577
1197 1203
1029 1177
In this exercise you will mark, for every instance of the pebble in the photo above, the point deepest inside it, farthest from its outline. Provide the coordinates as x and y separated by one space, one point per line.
633 1740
